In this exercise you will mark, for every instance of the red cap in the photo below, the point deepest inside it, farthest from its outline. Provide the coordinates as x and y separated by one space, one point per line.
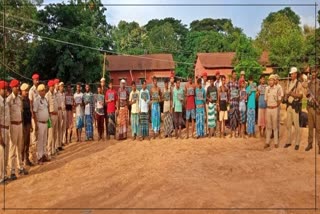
50 83
171 75
14 83
204 74
3 84
217 73
35 76
56 81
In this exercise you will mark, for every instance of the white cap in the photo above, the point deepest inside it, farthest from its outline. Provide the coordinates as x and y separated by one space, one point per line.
102 79
293 70
61 84
242 73
122 81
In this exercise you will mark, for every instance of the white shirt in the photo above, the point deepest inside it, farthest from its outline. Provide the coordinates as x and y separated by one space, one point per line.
78 98
144 108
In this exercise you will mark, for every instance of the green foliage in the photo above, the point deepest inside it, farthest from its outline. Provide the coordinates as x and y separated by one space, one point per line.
246 58
282 36
16 43
70 63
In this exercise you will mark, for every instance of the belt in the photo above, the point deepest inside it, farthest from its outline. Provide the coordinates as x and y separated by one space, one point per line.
16 122
4 127
272 107
42 122
54 113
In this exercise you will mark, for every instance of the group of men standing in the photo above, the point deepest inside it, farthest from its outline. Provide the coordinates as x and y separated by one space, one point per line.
43 116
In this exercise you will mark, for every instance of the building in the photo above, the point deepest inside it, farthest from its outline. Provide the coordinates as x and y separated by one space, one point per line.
139 67
222 62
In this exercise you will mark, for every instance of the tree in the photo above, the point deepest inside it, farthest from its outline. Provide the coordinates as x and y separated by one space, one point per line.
247 58
129 38
17 13
282 37
87 26
218 25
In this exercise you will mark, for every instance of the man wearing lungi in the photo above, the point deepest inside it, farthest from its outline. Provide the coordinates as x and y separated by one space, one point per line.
243 107
212 97
251 113
78 100
155 108
111 98
200 101
134 102
144 100
99 112
178 98
167 103
88 100
233 88
123 110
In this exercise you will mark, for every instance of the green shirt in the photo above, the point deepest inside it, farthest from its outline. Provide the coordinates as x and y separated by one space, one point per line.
177 96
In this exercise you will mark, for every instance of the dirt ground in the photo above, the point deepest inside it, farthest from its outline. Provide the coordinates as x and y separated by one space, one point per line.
169 173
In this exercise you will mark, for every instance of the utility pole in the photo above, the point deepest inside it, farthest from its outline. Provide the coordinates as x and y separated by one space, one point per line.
4 38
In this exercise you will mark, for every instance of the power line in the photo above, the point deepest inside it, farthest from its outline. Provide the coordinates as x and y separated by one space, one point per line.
96 49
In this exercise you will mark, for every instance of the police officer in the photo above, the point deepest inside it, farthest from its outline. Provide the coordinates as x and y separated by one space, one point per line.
4 131
313 95
53 111
41 116
16 131
273 100
293 93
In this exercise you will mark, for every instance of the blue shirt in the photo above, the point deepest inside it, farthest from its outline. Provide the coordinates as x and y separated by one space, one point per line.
251 91
262 103
200 98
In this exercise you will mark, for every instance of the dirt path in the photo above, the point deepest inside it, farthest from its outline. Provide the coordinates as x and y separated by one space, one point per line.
216 173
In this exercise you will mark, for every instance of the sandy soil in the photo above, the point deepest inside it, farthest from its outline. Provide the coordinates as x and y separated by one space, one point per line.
168 173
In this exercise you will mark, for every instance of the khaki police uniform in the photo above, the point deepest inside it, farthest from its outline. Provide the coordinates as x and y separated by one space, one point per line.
4 128
16 132
33 95
53 131
313 111
40 108
272 96
292 116
61 117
